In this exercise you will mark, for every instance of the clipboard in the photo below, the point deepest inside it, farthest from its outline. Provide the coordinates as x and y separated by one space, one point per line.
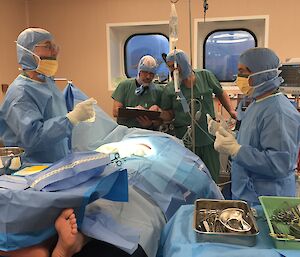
134 112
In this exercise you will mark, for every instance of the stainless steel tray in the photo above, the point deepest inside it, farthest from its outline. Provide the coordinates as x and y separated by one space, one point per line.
11 151
217 233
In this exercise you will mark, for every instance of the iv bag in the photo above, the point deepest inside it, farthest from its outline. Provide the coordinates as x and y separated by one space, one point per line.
173 25
176 80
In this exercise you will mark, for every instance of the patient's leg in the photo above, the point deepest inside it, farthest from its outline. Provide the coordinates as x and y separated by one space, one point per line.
70 241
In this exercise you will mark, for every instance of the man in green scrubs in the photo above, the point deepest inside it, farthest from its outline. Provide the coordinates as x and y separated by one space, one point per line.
141 93
204 84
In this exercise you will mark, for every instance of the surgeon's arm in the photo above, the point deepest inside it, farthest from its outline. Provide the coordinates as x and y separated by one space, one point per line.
116 106
225 101
27 122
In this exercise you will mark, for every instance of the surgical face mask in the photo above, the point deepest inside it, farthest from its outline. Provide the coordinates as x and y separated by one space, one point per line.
262 72
139 90
47 66
243 84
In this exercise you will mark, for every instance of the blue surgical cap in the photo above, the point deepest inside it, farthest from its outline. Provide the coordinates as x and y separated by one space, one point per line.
28 38
147 63
262 59
182 61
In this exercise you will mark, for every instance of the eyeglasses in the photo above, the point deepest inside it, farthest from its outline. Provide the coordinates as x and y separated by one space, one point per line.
50 47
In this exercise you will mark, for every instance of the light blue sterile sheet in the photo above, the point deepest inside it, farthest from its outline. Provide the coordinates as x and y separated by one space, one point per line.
100 225
72 170
13 182
179 240
172 175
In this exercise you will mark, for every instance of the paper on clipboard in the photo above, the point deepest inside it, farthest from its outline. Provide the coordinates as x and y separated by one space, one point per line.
134 112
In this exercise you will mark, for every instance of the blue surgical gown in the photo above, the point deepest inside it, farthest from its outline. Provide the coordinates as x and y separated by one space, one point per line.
33 116
270 136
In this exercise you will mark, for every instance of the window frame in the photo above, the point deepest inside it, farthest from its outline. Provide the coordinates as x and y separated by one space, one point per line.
130 37
222 30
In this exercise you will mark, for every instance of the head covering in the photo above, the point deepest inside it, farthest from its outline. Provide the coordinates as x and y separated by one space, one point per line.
182 61
258 60
28 39
147 63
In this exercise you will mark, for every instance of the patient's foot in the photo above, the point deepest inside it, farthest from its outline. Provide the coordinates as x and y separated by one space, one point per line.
70 241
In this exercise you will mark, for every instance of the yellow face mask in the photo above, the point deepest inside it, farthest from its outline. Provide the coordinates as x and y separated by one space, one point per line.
243 84
47 67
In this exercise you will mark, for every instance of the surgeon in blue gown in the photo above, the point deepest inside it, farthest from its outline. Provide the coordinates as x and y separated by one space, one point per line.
265 153
34 114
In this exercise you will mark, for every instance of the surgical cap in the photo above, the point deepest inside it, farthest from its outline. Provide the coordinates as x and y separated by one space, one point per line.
147 63
182 61
262 59
28 39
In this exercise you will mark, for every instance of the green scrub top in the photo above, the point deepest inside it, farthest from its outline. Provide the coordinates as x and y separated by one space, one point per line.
206 85
125 94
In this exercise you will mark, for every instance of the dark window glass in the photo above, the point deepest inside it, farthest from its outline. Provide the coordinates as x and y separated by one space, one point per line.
138 45
222 50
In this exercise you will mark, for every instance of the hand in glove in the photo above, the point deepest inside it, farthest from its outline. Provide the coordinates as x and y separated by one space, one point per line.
82 111
226 143
212 125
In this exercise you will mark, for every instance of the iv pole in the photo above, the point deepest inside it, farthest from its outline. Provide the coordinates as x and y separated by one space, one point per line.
193 136
192 86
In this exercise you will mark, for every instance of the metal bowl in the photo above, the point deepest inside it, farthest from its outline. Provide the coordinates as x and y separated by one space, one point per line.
232 219
10 159
11 151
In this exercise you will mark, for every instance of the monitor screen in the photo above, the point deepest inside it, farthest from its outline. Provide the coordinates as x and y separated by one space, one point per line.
291 75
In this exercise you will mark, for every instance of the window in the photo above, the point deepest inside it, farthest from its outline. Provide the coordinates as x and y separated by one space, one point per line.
138 45
222 49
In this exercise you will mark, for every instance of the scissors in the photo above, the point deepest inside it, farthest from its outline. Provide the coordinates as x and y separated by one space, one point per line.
115 158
